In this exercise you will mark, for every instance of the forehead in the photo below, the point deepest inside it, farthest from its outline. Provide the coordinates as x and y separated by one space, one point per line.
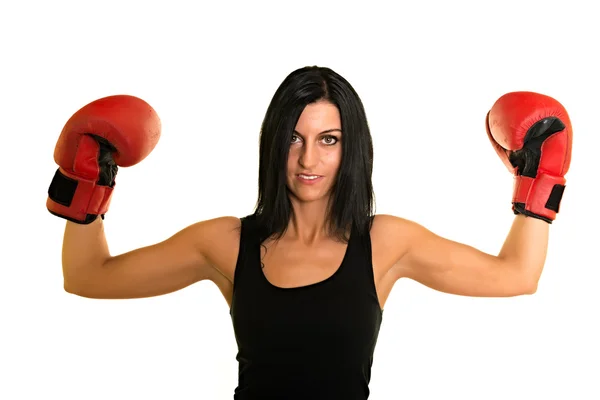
318 117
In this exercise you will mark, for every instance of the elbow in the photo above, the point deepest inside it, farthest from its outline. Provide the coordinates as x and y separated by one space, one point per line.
520 284
529 284
524 279
70 288
74 287
76 291
88 289
530 289
68 285
80 281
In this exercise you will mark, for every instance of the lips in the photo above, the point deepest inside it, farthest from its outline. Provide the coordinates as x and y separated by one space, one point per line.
309 176
309 179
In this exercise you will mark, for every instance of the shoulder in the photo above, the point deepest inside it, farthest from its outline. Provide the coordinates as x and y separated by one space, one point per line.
220 228
219 239
392 237
386 225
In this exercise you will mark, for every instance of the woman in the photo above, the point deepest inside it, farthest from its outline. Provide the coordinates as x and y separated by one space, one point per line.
308 273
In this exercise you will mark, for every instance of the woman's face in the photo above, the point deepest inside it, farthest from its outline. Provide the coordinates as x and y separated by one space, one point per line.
315 152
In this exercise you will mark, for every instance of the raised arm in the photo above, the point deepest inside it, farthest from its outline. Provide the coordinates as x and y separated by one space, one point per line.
532 135
103 135
457 268
191 255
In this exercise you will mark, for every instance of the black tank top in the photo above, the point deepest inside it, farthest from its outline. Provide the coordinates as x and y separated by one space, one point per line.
310 342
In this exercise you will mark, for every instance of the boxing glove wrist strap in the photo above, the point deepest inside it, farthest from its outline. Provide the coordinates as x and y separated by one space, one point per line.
538 197
76 199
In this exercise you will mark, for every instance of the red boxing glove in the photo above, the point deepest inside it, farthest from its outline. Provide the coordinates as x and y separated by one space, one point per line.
109 132
532 135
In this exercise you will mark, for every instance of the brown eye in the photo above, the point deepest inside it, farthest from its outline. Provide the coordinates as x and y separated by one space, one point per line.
330 140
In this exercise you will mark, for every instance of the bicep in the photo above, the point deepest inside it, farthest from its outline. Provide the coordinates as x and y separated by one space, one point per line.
456 268
181 260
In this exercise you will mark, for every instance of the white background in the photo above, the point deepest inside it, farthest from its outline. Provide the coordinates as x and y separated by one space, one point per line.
427 73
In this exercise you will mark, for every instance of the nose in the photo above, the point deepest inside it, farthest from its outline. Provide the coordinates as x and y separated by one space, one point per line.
309 156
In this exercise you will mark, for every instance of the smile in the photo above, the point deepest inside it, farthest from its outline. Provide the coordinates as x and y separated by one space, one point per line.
309 179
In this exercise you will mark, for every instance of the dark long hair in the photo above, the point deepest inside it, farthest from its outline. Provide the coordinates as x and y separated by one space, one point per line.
352 202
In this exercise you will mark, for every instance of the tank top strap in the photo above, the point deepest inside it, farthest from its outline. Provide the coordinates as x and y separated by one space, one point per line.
360 249
248 261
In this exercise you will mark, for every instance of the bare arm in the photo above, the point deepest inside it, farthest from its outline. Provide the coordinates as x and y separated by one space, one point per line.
457 268
187 257
83 246
526 247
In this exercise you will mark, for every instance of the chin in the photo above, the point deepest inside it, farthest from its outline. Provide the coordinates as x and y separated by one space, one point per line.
310 199
309 193
309 196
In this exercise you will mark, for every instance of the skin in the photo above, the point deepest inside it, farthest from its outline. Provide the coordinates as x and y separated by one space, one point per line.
306 254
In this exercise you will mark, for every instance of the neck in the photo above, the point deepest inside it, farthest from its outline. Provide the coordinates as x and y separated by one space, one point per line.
308 222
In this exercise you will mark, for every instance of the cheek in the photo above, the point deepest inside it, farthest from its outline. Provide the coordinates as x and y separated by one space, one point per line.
292 159
333 157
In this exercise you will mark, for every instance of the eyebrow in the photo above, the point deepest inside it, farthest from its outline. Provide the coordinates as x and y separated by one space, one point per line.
325 131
